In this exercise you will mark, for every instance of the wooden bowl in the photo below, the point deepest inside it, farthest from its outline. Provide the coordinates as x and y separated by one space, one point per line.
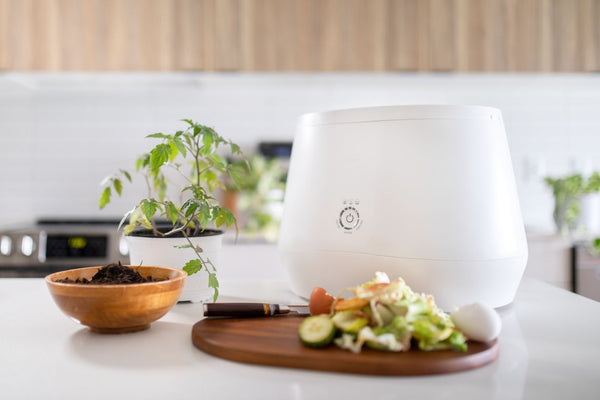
117 308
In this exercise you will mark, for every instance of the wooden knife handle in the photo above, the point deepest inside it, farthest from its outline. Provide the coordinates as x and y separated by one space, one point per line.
240 309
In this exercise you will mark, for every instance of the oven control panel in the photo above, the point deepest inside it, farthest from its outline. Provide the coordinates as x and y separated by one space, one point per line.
42 249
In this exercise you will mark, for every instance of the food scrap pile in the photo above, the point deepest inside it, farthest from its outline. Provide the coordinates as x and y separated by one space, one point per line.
382 315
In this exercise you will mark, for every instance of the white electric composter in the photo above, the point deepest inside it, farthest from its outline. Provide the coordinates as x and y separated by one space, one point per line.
425 193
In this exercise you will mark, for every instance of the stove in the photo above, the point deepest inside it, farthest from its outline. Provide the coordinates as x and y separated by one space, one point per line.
52 245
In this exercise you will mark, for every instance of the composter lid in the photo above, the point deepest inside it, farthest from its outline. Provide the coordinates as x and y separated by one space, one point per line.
402 112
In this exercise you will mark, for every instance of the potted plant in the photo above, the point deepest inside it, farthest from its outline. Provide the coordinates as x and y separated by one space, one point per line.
258 200
570 194
179 232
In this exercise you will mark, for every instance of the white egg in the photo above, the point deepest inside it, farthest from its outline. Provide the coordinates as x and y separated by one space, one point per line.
477 321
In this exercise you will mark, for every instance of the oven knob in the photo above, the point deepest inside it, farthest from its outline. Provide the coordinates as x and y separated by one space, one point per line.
5 245
123 247
27 245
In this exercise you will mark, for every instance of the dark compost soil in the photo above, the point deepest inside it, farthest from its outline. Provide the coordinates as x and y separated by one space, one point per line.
113 274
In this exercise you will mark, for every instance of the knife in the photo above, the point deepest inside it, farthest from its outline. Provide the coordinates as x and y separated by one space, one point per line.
252 309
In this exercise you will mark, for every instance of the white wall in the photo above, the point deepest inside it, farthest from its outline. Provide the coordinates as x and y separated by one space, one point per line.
60 134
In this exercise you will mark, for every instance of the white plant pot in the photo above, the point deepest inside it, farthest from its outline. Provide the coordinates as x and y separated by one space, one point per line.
162 251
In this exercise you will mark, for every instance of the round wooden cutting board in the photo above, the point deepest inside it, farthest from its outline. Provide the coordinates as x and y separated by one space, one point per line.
274 341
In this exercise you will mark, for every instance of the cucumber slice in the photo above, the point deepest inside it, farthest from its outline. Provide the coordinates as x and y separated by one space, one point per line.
316 331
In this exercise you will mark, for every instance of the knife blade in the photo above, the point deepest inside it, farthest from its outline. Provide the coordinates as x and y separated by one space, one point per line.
252 309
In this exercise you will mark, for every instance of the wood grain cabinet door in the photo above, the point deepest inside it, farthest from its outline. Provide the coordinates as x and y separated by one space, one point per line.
300 35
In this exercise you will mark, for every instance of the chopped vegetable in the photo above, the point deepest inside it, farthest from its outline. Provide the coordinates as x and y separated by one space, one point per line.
350 304
320 301
348 321
387 315
316 331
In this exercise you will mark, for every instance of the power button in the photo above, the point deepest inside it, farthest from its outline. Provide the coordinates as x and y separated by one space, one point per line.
349 218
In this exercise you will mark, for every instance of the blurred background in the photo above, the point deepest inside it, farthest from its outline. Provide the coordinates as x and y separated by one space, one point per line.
83 82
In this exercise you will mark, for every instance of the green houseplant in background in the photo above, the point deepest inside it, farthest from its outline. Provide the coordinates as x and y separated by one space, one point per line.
568 192
258 197
193 156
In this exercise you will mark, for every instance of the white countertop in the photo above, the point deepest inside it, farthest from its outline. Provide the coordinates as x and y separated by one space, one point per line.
548 350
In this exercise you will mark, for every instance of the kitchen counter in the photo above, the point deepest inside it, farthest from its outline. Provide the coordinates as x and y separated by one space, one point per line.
548 350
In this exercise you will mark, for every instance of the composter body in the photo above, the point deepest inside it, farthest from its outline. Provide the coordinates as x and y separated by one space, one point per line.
425 193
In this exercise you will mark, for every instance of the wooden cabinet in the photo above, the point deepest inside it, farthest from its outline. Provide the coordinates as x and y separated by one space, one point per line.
301 35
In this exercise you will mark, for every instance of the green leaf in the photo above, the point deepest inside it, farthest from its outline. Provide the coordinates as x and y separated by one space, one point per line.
134 220
180 147
198 191
237 178
224 216
593 183
138 163
127 229
191 209
207 140
172 212
149 208
105 197
229 217
145 223
235 149
204 219
126 174
127 214
210 178
159 184
213 283
173 151
159 136
221 218
159 156
118 185
188 202
142 161
189 121
217 161
188 140
193 266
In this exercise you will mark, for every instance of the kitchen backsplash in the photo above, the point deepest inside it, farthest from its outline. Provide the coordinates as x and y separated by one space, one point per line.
62 133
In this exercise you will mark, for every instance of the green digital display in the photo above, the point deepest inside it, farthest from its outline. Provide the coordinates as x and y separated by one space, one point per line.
76 246
77 242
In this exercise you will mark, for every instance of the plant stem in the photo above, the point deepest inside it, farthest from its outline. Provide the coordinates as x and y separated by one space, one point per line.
155 230
148 185
181 173
197 156
182 228
205 263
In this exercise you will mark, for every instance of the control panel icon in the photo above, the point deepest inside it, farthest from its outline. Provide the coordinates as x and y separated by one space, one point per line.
349 218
